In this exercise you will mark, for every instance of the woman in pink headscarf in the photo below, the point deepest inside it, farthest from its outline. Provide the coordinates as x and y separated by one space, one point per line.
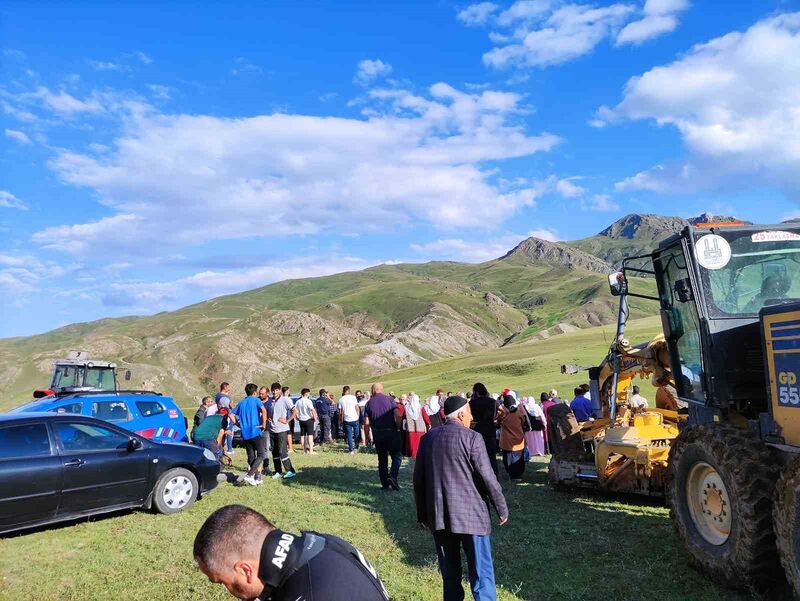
534 438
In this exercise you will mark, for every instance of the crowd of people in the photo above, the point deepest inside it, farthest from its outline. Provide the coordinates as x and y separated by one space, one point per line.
513 426
456 439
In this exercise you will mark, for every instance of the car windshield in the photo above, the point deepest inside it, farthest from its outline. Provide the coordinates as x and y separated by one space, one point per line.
763 270
67 376
101 378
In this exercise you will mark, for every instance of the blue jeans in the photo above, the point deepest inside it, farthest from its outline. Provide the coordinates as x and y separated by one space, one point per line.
228 440
351 434
478 550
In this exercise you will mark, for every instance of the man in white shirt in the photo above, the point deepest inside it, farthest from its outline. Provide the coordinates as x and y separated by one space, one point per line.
637 400
348 417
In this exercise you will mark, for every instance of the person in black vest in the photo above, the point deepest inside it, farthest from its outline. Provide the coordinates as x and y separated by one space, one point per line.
242 550
484 414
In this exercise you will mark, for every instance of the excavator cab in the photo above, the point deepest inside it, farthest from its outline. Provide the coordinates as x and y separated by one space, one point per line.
713 284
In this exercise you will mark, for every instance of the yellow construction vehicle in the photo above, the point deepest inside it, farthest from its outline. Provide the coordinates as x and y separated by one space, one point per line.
624 449
730 309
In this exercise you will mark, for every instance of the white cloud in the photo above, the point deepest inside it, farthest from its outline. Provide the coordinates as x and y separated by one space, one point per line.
477 251
568 32
19 136
9 201
159 92
567 189
63 103
736 103
242 66
108 66
660 17
148 297
415 158
542 33
601 202
477 14
369 70
143 58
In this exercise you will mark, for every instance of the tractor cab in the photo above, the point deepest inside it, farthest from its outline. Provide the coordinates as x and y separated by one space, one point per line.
79 373
713 285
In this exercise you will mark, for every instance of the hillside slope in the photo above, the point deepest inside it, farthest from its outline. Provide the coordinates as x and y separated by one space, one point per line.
344 327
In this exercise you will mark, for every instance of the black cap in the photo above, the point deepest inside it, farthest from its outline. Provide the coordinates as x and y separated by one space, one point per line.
453 404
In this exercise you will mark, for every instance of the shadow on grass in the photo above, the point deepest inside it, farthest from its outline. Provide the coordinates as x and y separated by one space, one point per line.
566 546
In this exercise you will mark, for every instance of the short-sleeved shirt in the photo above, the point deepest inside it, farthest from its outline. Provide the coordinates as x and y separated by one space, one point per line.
380 411
209 428
348 405
281 409
248 412
305 409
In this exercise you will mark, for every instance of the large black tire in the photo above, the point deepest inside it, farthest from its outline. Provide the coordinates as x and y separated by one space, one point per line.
726 476
786 512
175 490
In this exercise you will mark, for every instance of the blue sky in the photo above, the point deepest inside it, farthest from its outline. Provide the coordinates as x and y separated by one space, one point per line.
159 154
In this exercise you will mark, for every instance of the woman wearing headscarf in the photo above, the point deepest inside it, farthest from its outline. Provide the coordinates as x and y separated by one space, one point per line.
548 400
534 438
415 423
432 409
513 421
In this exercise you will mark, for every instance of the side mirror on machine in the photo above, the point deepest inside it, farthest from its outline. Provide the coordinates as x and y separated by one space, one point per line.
683 290
134 444
617 283
128 375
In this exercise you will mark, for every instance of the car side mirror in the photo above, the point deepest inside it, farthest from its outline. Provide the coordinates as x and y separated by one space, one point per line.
128 375
134 444
617 283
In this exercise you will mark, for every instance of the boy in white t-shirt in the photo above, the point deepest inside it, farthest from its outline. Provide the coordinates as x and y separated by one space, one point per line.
349 412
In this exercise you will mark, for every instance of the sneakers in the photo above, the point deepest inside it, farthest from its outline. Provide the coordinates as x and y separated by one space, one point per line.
248 480
393 485
231 452
258 481
289 475
276 476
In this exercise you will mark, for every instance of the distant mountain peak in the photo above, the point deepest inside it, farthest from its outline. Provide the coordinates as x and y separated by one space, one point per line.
643 226
538 250
711 218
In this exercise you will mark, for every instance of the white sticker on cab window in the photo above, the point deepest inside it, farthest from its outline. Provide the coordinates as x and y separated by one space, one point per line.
712 251
778 236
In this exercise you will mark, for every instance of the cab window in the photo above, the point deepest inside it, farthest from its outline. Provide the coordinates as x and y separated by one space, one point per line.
101 378
111 411
28 440
88 437
149 408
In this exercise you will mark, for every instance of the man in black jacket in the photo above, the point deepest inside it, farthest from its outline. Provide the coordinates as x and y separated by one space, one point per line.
242 550
453 482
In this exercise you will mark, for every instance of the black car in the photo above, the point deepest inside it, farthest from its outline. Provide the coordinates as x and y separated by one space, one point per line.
56 467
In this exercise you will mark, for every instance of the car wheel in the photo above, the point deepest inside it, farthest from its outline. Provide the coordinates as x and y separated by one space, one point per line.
175 490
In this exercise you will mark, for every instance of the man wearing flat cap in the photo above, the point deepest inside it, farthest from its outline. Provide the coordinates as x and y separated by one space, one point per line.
454 485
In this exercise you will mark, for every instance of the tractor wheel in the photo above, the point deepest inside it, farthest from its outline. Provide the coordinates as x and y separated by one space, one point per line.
721 481
787 523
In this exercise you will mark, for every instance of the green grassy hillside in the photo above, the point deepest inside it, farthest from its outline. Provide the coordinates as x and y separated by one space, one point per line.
350 326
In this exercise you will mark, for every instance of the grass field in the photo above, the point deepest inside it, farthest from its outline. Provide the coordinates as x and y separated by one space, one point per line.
557 546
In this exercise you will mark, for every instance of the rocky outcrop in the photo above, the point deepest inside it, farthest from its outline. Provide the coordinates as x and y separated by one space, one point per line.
557 255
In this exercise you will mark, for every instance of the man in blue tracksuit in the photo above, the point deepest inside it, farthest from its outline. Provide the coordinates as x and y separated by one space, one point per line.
325 410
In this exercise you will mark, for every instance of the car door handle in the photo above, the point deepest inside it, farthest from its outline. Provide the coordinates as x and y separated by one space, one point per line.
74 463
